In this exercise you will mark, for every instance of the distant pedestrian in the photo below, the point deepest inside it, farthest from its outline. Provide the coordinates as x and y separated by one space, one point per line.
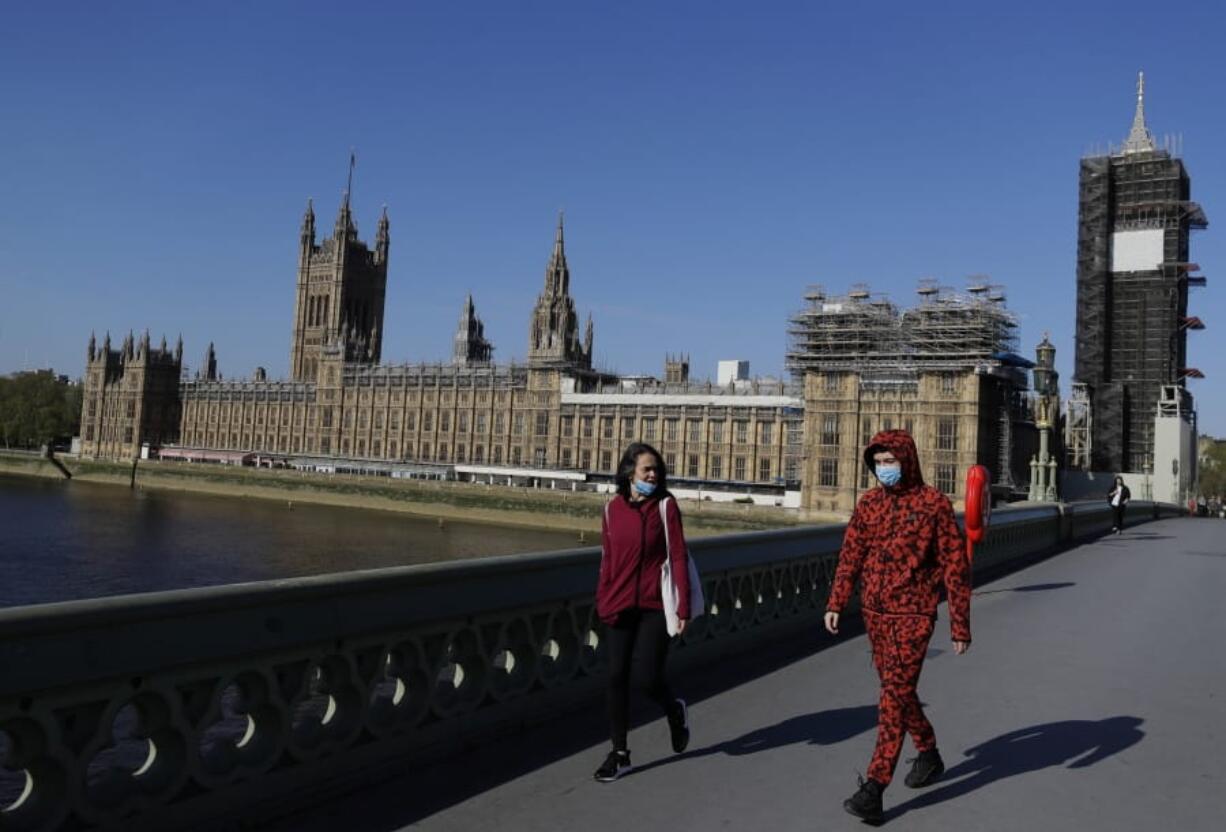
634 544
1118 497
902 542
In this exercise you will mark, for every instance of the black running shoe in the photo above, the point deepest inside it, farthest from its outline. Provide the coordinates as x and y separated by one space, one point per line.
866 802
614 766
679 725
926 769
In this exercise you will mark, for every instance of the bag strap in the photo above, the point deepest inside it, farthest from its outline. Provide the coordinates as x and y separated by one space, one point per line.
668 549
604 532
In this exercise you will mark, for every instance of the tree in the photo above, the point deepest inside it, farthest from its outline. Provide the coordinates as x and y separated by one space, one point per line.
1213 470
38 407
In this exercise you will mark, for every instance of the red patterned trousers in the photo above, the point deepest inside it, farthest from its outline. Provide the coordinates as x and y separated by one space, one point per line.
899 644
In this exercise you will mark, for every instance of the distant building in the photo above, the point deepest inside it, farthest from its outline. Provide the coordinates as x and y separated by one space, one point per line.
341 409
729 372
707 433
554 412
468 411
1135 218
946 371
129 396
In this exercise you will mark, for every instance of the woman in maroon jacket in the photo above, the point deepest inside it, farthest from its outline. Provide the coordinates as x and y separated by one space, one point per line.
628 597
902 542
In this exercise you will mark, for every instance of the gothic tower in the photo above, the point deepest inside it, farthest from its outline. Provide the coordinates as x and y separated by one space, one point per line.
340 293
1133 273
471 347
554 332
676 369
208 369
129 397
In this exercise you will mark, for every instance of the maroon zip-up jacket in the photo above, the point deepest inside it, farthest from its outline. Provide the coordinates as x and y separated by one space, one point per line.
903 542
633 550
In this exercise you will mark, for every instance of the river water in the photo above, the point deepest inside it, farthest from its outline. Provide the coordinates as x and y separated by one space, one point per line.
63 540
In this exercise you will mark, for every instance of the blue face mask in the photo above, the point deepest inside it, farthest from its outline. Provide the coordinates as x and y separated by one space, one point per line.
888 475
644 488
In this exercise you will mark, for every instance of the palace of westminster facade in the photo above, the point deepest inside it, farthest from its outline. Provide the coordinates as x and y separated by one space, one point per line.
554 413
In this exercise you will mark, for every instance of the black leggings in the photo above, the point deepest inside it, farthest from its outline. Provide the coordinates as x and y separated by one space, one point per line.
1117 516
638 646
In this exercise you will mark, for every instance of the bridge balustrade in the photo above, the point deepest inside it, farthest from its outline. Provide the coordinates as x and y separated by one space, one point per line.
166 709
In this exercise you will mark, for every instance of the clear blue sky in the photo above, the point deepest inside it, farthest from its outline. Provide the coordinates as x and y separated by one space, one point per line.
712 159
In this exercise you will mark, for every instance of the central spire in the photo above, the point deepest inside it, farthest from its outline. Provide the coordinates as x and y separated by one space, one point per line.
344 228
557 274
344 217
1139 139
553 338
559 246
308 224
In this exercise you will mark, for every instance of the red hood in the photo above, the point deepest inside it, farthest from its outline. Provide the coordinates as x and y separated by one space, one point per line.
899 443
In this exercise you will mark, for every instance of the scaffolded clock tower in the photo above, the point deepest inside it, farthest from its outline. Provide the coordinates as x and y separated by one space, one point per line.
1133 275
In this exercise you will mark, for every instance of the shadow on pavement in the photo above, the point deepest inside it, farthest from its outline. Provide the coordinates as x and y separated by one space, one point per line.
1079 743
420 791
1030 588
821 728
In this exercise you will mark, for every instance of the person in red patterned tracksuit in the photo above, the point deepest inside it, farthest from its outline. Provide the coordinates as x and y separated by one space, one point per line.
902 542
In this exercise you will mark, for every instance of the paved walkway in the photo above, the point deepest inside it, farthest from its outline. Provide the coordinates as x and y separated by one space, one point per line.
1093 697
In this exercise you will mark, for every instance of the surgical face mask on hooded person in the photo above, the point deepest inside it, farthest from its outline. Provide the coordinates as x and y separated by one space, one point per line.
888 475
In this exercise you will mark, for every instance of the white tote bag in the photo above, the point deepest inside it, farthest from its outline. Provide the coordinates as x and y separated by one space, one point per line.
668 590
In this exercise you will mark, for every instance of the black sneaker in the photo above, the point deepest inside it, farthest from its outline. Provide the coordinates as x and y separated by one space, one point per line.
679 725
926 769
866 802
614 766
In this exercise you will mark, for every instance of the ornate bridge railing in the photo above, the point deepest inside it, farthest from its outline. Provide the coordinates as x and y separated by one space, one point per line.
184 708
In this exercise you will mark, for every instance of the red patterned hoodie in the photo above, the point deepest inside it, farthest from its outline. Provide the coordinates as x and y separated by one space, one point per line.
632 552
902 542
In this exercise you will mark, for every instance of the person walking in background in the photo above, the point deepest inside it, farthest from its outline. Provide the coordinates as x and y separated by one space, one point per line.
634 544
1118 497
902 542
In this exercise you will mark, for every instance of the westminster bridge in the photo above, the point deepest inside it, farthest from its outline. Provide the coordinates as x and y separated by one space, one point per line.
455 696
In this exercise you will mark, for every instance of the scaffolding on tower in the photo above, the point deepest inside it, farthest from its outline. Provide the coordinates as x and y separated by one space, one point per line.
867 333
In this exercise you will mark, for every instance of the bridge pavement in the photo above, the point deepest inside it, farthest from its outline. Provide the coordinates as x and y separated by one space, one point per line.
1093 697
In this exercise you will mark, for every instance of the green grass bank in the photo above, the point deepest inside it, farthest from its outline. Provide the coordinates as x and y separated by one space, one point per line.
499 505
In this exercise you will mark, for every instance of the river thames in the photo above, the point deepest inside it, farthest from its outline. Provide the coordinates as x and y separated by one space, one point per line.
61 541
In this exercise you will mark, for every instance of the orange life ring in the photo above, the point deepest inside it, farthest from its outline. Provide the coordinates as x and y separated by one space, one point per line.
978 503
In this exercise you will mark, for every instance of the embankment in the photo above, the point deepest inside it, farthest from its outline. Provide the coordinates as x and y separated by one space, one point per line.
501 505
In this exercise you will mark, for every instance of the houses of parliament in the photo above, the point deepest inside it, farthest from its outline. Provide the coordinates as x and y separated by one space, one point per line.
556 414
